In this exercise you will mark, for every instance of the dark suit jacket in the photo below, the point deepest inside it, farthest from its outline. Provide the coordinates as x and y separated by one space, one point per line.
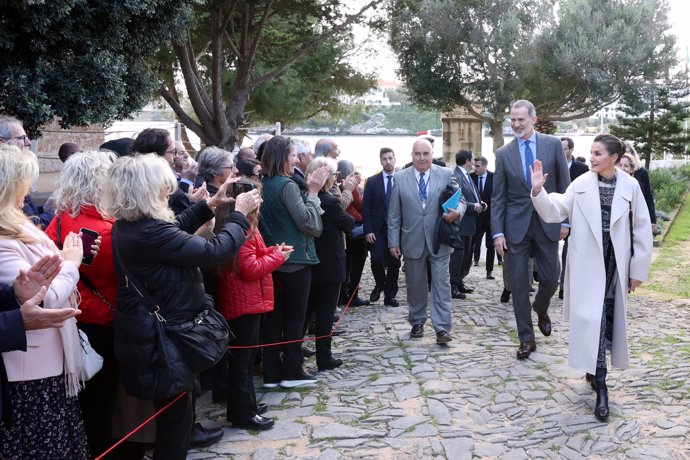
12 337
178 201
512 207
330 246
375 214
642 177
577 169
468 223
484 219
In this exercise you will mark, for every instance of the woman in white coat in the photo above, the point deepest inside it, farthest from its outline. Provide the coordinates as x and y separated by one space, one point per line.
609 253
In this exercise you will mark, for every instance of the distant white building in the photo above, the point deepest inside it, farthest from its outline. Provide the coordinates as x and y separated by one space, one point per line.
376 97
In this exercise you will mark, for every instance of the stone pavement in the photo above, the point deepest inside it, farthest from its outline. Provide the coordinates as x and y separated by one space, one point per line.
402 398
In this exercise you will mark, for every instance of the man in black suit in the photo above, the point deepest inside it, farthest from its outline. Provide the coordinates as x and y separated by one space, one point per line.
375 201
576 169
484 182
461 259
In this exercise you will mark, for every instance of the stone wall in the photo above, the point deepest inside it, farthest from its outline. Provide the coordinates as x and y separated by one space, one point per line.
89 138
460 131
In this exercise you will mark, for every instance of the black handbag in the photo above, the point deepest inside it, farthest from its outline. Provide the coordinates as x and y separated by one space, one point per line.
202 341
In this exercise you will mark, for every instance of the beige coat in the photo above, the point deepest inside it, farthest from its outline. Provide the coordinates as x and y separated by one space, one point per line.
585 275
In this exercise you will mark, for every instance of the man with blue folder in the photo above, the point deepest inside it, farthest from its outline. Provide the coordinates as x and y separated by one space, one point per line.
461 259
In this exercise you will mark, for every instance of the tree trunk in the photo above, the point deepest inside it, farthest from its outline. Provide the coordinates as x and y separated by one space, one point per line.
496 127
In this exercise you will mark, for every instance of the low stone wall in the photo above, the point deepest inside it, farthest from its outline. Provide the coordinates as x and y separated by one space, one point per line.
89 138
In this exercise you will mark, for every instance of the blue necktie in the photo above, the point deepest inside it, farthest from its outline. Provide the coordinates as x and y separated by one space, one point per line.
422 188
389 186
529 161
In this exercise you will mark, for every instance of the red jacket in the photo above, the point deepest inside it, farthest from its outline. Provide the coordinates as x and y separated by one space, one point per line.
249 290
355 208
101 273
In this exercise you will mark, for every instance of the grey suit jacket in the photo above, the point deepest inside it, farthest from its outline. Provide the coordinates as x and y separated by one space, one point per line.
468 224
409 225
511 205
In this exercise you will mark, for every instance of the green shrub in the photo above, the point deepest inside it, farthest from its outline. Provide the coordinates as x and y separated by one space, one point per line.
669 186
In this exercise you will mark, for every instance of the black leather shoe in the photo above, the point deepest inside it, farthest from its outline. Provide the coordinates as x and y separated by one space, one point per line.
465 290
204 437
391 303
256 423
560 294
375 294
358 302
307 353
601 407
442 337
261 408
489 276
329 364
544 323
417 331
457 294
505 296
525 349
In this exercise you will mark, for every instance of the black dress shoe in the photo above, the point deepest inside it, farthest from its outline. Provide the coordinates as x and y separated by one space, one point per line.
465 290
489 276
457 294
261 408
442 337
417 331
358 302
256 423
391 303
307 353
505 296
329 364
204 437
544 323
525 349
375 294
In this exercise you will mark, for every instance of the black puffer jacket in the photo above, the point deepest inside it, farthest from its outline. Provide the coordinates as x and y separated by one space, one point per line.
165 259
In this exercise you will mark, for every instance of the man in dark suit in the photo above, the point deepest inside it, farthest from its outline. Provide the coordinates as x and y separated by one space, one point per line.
375 201
484 182
461 259
516 226
412 219
304 157
575 169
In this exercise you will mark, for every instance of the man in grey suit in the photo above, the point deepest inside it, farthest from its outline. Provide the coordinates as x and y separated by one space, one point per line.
461 259
413 213
516 226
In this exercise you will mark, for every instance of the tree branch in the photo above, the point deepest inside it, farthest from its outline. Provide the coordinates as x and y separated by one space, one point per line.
180 112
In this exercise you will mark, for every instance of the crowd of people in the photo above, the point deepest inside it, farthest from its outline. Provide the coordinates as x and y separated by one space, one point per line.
276 238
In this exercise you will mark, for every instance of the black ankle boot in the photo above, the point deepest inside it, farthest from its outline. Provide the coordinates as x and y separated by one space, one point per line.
601 408
590 379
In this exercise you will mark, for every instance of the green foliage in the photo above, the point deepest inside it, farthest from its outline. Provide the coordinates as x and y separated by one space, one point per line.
83 61
410 118
656 112
669 186
483 54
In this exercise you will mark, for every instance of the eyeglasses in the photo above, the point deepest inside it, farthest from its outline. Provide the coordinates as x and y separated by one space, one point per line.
23 138
228 167
258 174
173 151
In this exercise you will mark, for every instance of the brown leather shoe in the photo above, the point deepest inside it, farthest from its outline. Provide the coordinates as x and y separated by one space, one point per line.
525 349
544 323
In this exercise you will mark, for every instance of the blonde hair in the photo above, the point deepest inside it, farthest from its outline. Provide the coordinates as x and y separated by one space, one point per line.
137 188
317 162
81 181
633 160
630 148
17 170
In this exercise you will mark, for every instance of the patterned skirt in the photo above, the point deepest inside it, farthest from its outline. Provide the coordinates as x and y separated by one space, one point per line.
606 332
47 423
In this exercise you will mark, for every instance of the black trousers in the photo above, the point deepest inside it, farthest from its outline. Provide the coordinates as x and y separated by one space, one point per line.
460 263
485 234
386 274
173 428
356 252
284 323
241 394
97 399
323 298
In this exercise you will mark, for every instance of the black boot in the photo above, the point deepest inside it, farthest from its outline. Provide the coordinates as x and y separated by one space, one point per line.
590 379
601 408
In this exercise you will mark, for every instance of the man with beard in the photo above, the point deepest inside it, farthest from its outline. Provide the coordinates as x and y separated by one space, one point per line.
516 227
377 194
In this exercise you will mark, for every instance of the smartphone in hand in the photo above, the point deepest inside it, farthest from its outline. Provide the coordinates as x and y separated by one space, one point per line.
88 237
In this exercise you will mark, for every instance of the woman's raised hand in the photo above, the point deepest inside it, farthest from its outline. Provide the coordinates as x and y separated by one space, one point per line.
316 179
538 177
247 202
72 250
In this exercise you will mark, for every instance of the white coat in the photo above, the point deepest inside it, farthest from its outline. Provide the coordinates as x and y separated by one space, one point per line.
585 273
